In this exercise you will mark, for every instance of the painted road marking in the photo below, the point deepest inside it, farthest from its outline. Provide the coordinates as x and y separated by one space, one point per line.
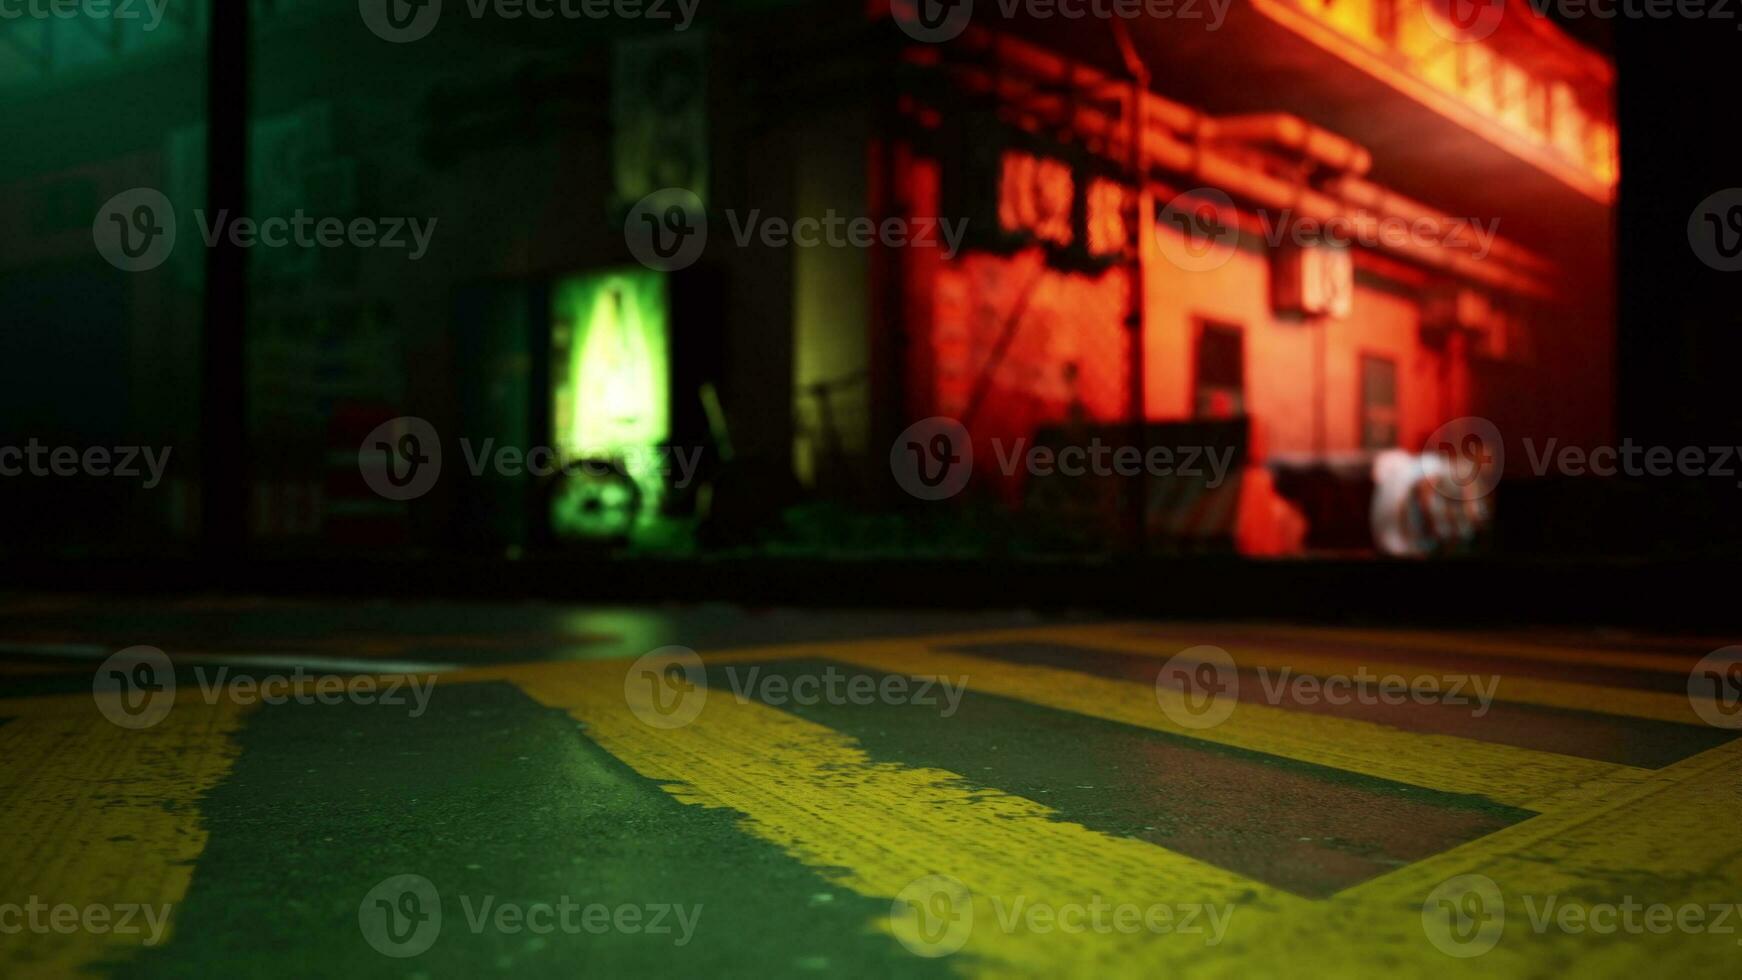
1308 829
878 827
489 795
1672 839
1661 680
94 814
1412 700
1454 643
1605 832
822 798
1655 705
1502 773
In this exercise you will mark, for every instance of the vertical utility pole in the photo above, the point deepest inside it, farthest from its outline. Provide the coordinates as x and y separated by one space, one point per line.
223 366
1138 500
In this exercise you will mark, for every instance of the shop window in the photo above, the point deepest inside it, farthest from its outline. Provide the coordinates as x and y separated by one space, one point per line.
1378 402
1221 372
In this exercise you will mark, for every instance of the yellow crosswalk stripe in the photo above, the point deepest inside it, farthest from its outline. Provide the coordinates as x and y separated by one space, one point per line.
1671 839
1448 643
878 827
1652 705
94 814
1502 773
97 815
1666 854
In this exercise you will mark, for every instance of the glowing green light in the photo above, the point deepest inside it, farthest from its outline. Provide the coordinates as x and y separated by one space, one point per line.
611 378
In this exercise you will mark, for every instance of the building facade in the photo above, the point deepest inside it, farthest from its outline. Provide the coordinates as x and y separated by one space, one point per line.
1357 220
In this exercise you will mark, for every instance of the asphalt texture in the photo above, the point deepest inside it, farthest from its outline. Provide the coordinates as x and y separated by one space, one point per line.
253 788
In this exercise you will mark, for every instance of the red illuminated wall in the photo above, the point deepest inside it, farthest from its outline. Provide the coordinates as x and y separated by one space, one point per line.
1068 351
1071 347
1277 111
